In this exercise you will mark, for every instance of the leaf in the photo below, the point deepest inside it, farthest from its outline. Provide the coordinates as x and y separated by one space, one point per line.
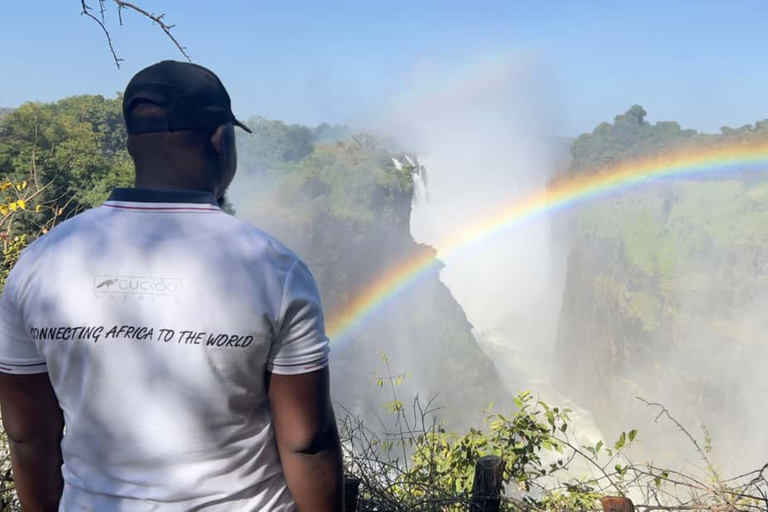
622 440
632 435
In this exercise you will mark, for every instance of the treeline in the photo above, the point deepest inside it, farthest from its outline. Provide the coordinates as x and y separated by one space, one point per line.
631 137
75 149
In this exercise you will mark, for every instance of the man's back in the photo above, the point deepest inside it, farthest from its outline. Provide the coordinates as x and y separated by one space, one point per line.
158 316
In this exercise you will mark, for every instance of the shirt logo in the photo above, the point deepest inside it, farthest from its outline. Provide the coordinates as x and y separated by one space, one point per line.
107 283
136 285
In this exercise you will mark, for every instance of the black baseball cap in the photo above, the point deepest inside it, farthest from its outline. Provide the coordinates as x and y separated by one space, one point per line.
192 96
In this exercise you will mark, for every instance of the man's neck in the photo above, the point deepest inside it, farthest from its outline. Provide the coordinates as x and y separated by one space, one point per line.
176 181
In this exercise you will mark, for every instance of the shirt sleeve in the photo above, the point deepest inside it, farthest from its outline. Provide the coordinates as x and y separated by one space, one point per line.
18 352
300 344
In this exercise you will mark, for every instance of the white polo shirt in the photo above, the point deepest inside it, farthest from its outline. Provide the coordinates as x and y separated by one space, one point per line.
157 316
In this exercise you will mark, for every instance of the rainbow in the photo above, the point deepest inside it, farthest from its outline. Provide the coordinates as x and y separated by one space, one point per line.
558 197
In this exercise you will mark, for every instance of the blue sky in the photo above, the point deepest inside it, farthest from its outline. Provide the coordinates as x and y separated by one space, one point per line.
698 62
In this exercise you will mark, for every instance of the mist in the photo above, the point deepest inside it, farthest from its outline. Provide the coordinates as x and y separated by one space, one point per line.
488 134
489 141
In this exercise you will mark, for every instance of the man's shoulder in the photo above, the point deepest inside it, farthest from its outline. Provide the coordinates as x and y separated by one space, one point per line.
77 224
254 242
52 243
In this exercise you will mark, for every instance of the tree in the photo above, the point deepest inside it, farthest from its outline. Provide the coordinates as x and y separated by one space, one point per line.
68 155
629 137
274 144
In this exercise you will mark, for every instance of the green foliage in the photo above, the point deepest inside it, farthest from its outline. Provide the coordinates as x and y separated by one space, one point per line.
331 133
74 147
447 460
664 272
272 145
11 252
629 137
15 198
4 111
416 462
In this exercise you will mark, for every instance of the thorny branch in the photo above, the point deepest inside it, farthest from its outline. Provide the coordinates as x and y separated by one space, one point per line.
663 411
157 19
660 489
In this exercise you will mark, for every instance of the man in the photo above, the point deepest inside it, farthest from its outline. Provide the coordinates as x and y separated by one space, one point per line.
184 350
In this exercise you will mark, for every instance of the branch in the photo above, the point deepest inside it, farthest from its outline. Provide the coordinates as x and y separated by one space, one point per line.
86 12
120 4
155 19
664 412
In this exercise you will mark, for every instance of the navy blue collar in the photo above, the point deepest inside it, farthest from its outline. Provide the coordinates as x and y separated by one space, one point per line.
145 195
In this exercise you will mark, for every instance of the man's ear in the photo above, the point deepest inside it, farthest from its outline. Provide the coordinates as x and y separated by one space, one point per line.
220 141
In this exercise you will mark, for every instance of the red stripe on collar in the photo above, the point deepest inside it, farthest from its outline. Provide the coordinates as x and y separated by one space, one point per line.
164 208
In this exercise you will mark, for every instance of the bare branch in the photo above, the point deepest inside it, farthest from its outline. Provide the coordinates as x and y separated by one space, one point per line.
120 4
158 19
86 12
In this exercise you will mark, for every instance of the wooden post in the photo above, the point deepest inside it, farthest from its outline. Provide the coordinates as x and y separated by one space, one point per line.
486 489
351 489
615 504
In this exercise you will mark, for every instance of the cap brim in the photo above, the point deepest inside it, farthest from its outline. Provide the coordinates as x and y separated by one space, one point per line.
242 125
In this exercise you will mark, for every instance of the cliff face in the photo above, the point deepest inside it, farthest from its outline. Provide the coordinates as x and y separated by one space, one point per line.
665 298
345 208
667 287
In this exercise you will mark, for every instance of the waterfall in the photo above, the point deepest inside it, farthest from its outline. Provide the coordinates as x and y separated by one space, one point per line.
513 325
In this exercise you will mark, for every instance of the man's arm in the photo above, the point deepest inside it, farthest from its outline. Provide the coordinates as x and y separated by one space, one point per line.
34 424
307 439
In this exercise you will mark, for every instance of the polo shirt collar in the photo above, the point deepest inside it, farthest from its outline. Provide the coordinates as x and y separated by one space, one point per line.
145 195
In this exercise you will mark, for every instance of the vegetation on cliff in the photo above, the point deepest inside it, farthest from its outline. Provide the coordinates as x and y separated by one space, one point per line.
666 284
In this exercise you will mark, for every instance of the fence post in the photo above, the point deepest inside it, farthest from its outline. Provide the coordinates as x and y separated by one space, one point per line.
486 489
615 504
351 489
